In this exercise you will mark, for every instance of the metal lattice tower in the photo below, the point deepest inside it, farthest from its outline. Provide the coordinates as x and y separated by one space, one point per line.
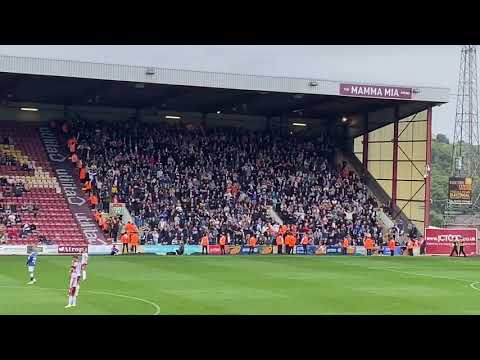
466 140
466 136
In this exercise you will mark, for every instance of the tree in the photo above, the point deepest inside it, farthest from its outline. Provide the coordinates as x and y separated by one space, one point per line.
443 139
441 167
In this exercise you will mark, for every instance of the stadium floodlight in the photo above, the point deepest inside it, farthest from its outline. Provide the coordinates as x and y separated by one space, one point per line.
218 112
344 119
173 117
299 124
28 109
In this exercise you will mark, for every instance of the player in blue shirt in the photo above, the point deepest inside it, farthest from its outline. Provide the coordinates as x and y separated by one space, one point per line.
31 263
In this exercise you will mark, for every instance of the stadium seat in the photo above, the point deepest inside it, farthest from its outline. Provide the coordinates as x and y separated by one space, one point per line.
54 219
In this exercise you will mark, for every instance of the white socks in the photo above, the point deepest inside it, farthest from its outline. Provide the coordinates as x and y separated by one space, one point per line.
84 275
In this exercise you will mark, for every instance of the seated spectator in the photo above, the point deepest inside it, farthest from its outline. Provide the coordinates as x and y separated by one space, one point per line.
149 238
42 239
27 229
12 219
30 165
181 249
114 250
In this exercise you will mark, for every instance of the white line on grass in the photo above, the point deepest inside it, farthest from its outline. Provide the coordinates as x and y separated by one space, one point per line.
156 306
472 284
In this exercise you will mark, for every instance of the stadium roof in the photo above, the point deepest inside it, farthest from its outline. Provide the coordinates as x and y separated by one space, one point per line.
68 82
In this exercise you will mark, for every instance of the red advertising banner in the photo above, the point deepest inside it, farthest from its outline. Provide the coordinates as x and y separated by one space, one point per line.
384 92
72 249
440 241
215 250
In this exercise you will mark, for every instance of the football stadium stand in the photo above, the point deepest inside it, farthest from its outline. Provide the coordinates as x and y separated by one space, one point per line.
190 152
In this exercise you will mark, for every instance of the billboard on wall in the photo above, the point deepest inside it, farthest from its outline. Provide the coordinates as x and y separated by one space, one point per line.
460 190
374 91
440 241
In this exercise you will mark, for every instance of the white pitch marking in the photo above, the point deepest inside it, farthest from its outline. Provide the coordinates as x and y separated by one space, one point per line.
156 306
472 284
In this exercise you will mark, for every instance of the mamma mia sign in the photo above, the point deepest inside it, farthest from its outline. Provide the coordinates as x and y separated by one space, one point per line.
384 92
71 188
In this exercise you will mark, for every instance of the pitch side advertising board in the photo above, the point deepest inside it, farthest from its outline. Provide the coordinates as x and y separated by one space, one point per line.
215 250
43 249
310 250
72 249
334 250
13 249
246 250
164 249
397 251
440 241
101 249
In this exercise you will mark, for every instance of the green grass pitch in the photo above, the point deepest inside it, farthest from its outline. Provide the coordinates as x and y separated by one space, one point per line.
147 285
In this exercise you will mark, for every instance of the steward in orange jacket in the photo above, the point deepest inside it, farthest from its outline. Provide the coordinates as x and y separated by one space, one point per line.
252 243
124 239
279 243
222 242
204 242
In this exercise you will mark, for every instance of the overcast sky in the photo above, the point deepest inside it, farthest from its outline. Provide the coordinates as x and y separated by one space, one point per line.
403 65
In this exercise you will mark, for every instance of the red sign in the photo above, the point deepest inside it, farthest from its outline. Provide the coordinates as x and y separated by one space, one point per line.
372 91
440 241
72 249
215 250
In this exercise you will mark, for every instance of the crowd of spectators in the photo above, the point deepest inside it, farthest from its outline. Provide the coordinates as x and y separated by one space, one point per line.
180 183
11 223
10 187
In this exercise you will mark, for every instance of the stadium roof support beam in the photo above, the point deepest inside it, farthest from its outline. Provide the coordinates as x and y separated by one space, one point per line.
428 178
395 160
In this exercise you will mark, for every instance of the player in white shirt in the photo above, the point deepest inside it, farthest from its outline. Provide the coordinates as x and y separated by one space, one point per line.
74 286
84 265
